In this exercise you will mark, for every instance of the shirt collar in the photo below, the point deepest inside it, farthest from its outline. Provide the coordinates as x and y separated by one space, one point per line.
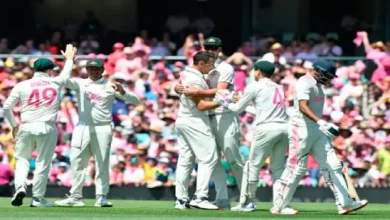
194 71
40 74
99 81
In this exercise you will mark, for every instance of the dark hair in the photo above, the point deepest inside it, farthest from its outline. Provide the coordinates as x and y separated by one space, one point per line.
202 56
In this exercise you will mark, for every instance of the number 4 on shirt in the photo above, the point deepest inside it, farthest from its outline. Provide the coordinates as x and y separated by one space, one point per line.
47 94
278 98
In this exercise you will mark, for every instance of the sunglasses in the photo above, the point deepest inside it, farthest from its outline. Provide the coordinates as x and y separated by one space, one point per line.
210 47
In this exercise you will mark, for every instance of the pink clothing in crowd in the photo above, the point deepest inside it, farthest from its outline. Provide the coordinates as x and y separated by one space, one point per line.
5 173
240 80
116 177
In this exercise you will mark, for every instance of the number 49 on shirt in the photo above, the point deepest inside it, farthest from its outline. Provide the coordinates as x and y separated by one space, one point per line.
37 96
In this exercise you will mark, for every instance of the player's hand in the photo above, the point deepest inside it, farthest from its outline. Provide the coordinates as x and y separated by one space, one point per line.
236 97
329 129
70 52
15 132
190 91
223 97
119 88
179 88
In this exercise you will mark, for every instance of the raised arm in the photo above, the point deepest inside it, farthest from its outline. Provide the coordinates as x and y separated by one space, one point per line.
70 56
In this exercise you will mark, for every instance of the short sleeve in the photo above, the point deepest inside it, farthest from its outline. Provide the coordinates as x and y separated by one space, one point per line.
226 74
302 90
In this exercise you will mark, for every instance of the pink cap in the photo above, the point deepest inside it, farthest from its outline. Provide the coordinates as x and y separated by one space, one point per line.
148 103
159 66
118 45
179 64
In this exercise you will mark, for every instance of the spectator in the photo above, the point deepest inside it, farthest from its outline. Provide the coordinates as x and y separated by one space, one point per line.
90 45
134 173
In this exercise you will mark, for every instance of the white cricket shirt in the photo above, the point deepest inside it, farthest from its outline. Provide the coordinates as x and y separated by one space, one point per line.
192 78
307 88
39 97
268 101
223 72
95 100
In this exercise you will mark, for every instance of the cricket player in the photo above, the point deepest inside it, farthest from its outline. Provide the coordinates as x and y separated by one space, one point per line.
93 133
196 138
225 123
270 137
40 101
308 133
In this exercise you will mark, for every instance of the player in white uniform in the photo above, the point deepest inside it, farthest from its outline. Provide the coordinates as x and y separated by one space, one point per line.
225 123
40 101
196 138
308 133
93 133
270 137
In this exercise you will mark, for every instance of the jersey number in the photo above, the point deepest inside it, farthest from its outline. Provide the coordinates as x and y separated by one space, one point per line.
48 94
278 99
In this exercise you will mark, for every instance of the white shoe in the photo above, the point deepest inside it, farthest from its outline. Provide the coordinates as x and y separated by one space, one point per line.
354 206
102 201
250 207
40 202
203 203
70 202
180 204
223 204
285 211
289 211
19 195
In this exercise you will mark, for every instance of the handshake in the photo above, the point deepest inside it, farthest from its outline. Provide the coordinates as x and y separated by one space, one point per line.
224 97
329 129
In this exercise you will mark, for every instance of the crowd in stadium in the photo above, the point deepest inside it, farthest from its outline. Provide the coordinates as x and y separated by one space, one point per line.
144 147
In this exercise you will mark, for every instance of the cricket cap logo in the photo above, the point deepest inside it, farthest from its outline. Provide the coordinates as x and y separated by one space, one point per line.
211 40
93 63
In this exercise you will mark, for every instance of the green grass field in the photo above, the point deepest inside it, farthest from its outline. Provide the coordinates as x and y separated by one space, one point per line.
126 209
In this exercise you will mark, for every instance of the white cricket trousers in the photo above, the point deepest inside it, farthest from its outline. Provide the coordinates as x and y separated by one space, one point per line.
87 140
268 139
41 136
226 127
305 140
196 140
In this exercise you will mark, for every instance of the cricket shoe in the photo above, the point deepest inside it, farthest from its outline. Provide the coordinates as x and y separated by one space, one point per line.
250 207
354 206
70 202
203 203
19 195
102 201
285 211
180 204
40 202
223 204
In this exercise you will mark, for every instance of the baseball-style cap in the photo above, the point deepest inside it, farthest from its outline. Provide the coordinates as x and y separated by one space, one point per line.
213 41
95 63
43 64
265 67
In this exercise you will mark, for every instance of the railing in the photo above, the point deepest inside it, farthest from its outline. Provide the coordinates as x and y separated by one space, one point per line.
3 56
